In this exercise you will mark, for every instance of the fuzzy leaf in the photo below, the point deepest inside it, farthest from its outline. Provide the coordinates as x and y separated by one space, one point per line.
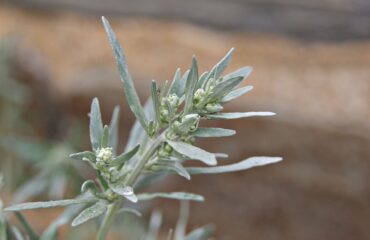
89 213
236 93
220 67
202 80
223 88
156 103
175 87
191 83
49 204
213 132
129 88
241 72
243 165
129 210
193 152
96 124
105 137
121 159
124 191
174 166
113 129
86 155
52 230
236 115
173 195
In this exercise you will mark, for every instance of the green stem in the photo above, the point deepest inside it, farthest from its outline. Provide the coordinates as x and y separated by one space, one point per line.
108 218
136 171
109 215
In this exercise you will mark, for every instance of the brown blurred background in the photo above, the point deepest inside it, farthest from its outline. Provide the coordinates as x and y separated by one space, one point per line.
311 63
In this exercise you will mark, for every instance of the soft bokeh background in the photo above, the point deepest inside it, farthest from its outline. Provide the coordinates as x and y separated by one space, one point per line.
311 63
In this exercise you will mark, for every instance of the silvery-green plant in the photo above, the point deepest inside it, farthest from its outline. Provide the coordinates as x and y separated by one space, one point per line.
161 140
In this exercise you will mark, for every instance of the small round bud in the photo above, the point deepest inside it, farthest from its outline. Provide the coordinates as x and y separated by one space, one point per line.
104 154
214 107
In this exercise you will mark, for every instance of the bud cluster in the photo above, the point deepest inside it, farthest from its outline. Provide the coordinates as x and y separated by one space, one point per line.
168 108
104 156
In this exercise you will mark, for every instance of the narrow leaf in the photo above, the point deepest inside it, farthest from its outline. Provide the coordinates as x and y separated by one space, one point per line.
96 124
89 213
49 204
220 67
156 103
174 166
176 84
121 159
223 88
26 226
202 80
124 191
85 156
213 132
129 88
236 93
173 195
236 115
183 220
191 83
113 129
243 165
193 152
105 137
68 214
241 72
130 210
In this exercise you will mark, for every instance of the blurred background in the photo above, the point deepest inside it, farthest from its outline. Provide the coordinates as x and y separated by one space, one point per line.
311 63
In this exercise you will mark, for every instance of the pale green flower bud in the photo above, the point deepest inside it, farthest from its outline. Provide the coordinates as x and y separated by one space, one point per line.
104 154
173 100
188 123
214 107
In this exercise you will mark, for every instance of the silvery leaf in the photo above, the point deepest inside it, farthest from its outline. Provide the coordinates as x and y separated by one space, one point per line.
241 72
105 137
243 165
156 103
124 191
16 233
86 155
51 232
129 88
176 84
121 159
113 129
193 152
223 88
96 125
220 67
49 204
202 80
236 115
173 195
213 132
236 93
174 166
89 213
154 225
183 220
129 210
191 83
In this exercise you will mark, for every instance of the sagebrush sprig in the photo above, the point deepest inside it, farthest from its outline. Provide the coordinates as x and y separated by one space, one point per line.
161 140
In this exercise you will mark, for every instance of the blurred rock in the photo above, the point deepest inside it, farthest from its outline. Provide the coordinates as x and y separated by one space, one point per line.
321 92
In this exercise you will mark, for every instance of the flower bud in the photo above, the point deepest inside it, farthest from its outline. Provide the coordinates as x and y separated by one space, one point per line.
214 107
104 155
188 123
